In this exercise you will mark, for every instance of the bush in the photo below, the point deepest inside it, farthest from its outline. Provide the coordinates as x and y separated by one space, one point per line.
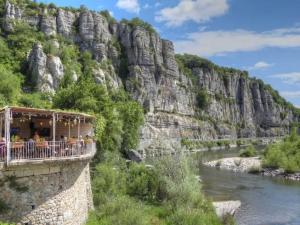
35 100
203 99
10 86
167 193
285 155
248 152
137 22
120 210
106 14
142 182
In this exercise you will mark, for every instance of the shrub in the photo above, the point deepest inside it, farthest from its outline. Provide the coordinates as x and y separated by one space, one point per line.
203 99
35 100
248 152
106 14
137 22
285 155
188 216
120 210
142 182
167 193
10 86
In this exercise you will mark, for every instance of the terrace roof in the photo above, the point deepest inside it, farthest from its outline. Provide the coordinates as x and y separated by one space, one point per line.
19 109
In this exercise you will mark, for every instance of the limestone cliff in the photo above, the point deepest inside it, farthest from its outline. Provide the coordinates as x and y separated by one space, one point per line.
146 66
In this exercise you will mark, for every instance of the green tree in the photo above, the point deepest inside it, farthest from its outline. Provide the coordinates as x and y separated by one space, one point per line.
21 41
35 100
10 86
133 117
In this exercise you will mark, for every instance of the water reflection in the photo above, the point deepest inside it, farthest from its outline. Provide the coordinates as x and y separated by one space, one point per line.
265 200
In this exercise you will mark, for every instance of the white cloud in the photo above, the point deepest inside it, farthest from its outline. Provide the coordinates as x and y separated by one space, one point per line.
131 6
192 10
208 43
290 94
260 65
146 6
289 78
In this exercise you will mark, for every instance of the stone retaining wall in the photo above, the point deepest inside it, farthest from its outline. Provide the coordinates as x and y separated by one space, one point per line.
57 193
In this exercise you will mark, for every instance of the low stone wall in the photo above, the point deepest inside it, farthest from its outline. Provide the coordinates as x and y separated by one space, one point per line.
55 194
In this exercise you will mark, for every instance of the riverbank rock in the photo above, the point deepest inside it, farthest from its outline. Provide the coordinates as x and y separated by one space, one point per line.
134 156
280 173
237 164
226 208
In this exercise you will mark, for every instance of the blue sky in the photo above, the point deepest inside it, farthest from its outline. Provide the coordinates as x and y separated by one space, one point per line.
261 36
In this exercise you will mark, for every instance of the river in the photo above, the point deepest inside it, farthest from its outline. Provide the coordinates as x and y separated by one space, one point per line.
265 200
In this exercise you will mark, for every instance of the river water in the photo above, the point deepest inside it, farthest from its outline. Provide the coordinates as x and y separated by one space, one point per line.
265 200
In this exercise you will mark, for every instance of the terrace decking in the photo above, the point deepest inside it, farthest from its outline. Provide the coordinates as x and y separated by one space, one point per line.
19 146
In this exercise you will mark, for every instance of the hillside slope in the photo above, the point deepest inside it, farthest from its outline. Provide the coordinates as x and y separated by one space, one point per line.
184 96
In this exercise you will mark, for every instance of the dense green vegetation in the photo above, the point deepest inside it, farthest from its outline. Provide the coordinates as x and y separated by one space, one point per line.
167 193
203 99
137 22
187 63
248 152
285 155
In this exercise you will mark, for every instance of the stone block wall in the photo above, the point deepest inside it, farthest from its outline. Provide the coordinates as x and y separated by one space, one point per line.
57 194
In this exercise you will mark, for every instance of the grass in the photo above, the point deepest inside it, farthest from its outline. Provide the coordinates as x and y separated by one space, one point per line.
166 194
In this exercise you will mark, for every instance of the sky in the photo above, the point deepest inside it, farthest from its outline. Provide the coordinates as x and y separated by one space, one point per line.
261 36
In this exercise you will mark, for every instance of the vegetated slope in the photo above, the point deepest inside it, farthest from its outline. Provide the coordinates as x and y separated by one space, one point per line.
52 48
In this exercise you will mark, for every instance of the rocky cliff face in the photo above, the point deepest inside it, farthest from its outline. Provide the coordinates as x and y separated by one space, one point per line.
238 106
46 71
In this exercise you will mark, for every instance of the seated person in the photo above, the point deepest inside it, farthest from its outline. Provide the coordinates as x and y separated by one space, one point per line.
36 136
88 139
72 140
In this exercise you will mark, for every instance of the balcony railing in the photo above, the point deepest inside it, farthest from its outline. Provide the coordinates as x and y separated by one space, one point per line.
20 151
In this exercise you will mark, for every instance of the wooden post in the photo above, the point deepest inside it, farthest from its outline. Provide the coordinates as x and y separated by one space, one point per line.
78 128
7 118
53 128
69 129
1 125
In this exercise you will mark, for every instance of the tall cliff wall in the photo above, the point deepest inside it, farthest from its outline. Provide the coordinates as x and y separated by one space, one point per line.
146 66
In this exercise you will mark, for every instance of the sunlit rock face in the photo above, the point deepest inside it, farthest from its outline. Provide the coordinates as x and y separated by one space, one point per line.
238 107
46 71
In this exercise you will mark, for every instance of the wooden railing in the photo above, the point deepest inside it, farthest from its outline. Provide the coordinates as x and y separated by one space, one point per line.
45 150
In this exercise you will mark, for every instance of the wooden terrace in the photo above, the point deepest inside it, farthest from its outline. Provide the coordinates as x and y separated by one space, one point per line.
29 134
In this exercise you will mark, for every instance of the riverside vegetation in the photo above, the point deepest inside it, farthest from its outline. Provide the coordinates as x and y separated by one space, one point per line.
284 155
165 193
